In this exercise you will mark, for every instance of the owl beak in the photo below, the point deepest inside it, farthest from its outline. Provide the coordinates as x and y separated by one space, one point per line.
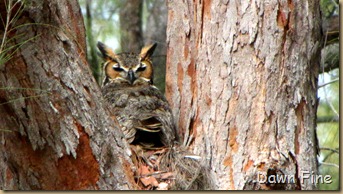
131 76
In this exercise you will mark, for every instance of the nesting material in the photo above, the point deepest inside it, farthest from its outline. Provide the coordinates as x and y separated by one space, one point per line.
169 169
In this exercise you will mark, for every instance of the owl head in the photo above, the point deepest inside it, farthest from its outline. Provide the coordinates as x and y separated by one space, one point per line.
130 68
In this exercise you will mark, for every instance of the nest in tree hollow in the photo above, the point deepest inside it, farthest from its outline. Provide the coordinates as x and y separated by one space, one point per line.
169 169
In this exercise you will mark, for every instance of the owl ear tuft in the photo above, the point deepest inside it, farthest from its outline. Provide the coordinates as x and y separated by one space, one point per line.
147 51
106 52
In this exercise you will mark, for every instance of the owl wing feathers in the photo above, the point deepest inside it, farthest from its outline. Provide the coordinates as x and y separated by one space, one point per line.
143 113
156 125
150 124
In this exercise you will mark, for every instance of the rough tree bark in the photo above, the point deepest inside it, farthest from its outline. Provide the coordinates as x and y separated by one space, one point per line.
56 132
242 80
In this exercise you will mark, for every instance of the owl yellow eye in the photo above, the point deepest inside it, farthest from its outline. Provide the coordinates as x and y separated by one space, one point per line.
116 67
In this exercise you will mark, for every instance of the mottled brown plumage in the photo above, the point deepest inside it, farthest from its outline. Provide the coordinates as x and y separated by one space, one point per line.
140 108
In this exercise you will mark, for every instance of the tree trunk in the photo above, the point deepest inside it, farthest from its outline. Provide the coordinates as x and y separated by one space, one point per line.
130 15
242 80
92 53
155 31
56 131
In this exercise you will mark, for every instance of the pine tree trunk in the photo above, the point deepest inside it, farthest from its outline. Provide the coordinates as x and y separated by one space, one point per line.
92 53
242 80
56 131
131 36
155 31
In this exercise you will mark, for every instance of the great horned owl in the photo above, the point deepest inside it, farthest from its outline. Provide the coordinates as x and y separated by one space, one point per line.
140 108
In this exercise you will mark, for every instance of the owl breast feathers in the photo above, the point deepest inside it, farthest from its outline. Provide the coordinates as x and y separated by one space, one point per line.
142 111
